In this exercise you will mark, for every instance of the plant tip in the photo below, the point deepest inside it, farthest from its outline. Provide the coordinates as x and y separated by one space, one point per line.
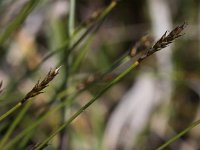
57 69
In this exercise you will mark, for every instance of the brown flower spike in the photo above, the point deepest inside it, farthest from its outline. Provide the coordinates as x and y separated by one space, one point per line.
37 89
165 40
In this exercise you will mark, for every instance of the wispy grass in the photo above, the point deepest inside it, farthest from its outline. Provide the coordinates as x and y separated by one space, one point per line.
160 44
81 37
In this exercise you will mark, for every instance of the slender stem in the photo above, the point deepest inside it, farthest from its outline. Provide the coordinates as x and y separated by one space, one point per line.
72 118
14 124
81 55
63 135
194 124
62 111
72 17
91 28
40 119
10 111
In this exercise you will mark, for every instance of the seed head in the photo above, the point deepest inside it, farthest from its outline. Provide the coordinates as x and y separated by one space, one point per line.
38 88
165 40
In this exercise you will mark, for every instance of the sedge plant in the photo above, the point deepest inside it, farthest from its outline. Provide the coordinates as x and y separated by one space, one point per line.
80 38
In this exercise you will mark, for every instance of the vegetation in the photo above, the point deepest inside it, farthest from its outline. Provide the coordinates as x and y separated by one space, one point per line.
73 111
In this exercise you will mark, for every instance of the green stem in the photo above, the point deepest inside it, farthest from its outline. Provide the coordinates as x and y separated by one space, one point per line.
14 124
37 122
109 85
68 101
67 63
10 111
194 124
72 17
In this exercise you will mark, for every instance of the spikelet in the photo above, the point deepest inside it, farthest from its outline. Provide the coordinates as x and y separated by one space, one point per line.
165 40
38 88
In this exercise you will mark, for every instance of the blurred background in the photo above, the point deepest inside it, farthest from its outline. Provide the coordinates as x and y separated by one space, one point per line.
156 101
